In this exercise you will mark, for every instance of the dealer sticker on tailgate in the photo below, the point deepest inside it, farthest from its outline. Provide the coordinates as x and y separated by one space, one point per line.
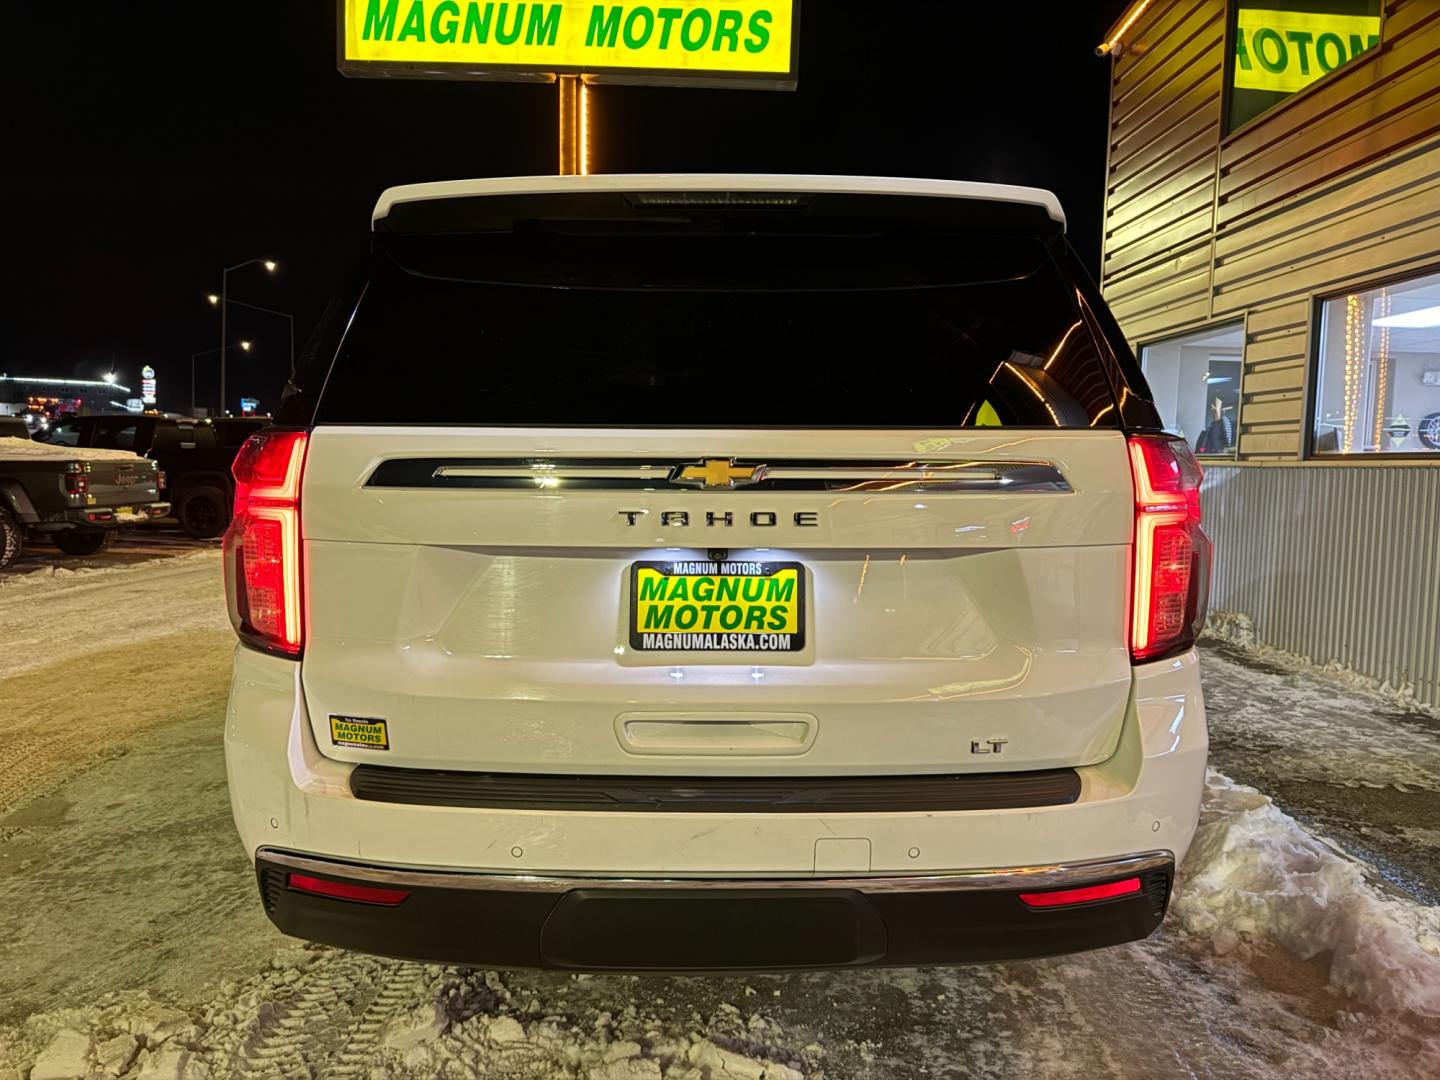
707 606
362 731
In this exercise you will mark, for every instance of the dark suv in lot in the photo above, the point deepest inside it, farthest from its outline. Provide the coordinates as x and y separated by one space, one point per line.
193 456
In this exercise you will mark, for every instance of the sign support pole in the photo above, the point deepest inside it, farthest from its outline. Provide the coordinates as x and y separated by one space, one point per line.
574 151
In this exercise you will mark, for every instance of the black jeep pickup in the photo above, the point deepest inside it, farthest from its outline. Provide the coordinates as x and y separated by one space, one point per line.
194 457
74 498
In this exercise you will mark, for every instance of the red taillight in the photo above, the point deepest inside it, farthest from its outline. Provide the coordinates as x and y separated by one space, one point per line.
262 544
1172 553
1083 895
76 482
343 890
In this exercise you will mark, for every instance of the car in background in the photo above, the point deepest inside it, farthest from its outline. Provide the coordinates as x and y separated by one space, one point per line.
232 431
193 460
75 498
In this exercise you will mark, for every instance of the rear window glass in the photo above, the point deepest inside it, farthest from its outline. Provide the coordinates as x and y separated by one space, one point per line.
732 331
233 433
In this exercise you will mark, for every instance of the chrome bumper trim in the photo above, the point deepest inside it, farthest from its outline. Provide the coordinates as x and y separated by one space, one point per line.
1004 879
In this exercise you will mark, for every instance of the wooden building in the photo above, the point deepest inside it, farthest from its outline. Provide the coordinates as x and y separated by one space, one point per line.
1272 251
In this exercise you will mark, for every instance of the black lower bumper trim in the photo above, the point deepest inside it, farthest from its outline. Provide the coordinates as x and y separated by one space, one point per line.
716 794
708 927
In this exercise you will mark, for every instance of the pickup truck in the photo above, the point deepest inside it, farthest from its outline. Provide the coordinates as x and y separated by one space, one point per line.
193 456
74 498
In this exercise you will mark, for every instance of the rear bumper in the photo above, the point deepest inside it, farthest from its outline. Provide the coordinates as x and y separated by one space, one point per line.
475 866
107 517
615 924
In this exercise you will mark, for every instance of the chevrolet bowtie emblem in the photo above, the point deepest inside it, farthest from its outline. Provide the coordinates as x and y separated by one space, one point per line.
717 473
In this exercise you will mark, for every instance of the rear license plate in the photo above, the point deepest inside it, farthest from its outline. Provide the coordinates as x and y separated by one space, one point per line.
731 606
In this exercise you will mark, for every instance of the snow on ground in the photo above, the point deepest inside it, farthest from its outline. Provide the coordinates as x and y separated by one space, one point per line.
15 447
1279 959
1351 764
134 944
46 617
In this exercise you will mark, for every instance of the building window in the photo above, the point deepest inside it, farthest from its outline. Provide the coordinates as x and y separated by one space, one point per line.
1195 382
1377 387
1282 46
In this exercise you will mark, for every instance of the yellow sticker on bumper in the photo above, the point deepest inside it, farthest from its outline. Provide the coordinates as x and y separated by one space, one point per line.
360 731
710 606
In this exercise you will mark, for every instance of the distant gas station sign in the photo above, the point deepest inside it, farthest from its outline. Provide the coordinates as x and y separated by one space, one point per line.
147 385
671 42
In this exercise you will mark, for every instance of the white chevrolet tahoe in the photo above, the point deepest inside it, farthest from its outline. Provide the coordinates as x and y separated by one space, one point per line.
716 572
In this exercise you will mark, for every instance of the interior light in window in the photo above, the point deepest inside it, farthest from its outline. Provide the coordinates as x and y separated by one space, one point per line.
1412 320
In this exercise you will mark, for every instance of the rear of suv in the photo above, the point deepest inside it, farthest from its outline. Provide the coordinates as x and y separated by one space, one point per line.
716 572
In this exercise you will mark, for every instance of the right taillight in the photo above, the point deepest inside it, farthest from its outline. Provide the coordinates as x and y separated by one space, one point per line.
262 544
1172 553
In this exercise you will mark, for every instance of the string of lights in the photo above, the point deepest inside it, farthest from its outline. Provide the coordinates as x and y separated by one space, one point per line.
1354 358
1382 367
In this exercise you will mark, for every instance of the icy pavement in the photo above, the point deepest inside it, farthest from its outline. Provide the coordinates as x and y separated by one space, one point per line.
1359 767
133 943
126 597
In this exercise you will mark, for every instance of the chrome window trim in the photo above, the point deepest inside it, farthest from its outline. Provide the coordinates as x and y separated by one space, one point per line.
801 475
1002 879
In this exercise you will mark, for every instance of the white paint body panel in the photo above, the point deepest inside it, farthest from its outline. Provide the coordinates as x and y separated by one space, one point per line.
287 795
489 627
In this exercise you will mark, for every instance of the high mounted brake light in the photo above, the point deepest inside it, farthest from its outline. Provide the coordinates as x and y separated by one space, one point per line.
1171 581
262 544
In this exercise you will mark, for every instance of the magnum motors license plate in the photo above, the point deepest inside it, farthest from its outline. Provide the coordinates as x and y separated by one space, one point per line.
703 606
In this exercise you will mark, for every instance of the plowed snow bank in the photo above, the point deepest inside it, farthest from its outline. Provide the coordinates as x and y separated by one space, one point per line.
1254 872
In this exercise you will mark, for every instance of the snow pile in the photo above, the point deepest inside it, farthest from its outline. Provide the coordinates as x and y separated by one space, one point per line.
135 1039
14 447
1238 630
1231 627
1253 872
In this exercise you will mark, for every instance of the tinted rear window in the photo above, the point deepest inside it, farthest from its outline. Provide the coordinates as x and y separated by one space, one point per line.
233 433
722 331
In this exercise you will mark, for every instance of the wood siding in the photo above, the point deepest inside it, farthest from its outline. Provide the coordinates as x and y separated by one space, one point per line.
1335 188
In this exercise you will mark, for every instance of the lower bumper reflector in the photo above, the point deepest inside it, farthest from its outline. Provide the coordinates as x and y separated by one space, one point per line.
1065 897
343 890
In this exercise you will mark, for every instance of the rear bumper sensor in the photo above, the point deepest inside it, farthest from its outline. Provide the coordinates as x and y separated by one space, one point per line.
712 924
716 794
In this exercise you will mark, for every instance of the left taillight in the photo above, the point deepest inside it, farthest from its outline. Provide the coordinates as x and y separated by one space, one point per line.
263 572
76 480
1171 580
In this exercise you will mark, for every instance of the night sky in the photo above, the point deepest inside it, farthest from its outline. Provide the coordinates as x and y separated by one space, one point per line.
141 162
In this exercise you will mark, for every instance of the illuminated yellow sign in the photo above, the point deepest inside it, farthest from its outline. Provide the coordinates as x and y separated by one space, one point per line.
1285 51
673 41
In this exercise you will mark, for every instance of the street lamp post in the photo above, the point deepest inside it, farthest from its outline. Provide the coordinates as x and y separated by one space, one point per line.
244 346
283 315
269 265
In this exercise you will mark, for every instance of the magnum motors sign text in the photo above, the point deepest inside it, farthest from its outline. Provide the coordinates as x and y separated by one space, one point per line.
679 41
